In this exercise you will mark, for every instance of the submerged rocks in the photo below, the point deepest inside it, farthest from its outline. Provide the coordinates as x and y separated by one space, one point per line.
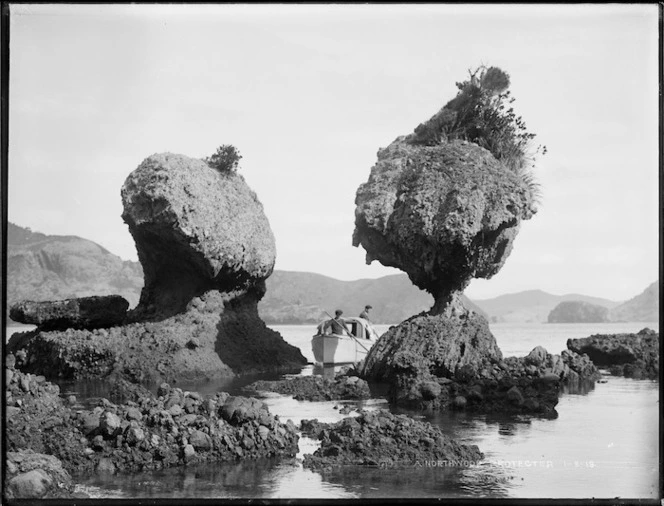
443 214
630 355
82 313
196 229
317 388
380 438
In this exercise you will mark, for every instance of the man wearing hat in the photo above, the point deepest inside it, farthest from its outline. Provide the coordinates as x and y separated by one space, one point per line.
337 325
365 314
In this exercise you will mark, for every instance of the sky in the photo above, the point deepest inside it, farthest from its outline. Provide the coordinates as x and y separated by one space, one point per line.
309 93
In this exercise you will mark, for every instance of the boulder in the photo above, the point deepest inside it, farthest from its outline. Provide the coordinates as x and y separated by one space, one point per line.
195 229
440 344
82 313
536 357
239 410
32 475
443 214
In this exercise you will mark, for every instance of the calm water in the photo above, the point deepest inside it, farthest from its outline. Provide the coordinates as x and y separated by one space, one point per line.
603 444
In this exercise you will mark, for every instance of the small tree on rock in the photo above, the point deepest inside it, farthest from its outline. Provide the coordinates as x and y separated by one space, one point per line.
226 159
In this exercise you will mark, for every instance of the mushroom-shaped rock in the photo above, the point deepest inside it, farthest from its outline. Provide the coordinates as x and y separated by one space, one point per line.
195 229
206 248
443 214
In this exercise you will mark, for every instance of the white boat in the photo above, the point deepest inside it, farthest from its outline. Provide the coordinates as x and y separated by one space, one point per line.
331 348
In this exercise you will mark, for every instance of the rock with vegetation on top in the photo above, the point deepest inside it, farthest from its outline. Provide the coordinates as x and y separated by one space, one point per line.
196 229
206 248
444 214
446 210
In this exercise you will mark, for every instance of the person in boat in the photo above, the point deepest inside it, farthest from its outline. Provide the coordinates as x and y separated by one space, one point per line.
336 325
365 314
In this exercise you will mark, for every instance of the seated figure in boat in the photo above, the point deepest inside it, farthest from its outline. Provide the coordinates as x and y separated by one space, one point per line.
336 325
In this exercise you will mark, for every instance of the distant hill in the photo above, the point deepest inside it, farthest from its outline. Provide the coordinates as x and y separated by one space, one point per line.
303 297
51 267
642 308
532 306
576 311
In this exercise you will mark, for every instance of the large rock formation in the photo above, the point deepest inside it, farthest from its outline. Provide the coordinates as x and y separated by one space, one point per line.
206 249
196 229
631 355
444 214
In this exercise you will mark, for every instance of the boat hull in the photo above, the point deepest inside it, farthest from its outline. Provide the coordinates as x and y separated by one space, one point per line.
335 349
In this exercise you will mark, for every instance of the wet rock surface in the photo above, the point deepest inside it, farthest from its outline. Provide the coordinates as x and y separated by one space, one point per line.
377 438
317 388
216 336
173 428
440 373
630 355
85 312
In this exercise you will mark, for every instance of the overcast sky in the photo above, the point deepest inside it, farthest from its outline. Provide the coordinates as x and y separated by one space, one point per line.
309 93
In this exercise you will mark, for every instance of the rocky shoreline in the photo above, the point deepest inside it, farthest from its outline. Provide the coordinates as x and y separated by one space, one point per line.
376 438
630 355
149 432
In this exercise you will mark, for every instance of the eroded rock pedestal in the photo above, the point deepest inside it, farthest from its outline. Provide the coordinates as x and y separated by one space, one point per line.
206 248
446 214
